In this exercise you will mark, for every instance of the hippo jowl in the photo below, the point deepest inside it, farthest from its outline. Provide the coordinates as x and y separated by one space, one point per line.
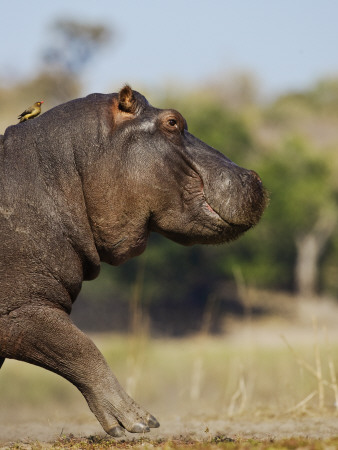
87 182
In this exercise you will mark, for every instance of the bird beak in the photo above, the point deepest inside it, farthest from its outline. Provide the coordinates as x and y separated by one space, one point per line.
41 101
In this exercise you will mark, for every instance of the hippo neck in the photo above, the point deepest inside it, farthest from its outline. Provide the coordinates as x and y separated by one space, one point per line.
44 176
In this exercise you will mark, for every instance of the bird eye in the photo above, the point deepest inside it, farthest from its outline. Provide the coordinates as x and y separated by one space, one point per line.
172 122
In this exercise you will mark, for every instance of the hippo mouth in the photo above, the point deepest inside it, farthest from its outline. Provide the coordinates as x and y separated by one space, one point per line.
211 212
216 215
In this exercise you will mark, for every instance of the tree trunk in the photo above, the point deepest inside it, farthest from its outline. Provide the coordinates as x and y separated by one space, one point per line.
310 247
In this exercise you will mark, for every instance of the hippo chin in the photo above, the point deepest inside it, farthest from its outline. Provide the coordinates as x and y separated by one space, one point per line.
87 182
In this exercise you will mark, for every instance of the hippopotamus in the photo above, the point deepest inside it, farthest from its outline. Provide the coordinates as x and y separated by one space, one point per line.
88 181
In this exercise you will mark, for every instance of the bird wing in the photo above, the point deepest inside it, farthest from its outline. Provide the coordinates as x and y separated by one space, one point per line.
26 111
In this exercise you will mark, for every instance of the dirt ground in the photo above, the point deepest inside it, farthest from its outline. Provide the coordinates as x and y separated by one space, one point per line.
320 427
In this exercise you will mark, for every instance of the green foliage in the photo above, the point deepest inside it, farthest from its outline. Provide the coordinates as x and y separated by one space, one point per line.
216 124
297 180
220 128
324 96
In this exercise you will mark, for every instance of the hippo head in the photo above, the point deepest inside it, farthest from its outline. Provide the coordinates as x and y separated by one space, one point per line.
156 176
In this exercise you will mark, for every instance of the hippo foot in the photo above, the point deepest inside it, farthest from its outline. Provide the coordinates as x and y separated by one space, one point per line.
132 419
152 421
139 427
116 431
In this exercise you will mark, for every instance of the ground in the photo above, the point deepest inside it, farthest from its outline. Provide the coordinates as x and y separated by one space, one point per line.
262 381
186 429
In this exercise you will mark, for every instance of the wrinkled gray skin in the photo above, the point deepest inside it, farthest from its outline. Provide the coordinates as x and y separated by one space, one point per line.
87 182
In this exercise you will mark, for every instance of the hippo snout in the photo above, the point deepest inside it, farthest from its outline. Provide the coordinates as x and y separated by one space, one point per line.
239 200
244 199
235 197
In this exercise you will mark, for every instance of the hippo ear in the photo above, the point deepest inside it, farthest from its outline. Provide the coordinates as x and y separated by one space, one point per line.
127 101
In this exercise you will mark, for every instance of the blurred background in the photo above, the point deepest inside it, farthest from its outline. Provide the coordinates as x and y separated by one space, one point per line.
256 80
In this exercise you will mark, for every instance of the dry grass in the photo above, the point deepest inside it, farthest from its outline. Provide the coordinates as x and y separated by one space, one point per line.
268 381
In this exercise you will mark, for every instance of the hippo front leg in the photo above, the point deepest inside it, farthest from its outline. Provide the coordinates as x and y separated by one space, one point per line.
2 360
47 337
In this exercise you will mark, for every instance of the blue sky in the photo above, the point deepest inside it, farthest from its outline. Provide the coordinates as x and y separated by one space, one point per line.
287 44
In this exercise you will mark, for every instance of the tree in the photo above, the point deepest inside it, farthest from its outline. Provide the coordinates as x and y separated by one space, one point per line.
73 45
303 205
310 247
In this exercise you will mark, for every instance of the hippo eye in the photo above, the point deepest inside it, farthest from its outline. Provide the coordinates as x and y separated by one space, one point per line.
172 122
